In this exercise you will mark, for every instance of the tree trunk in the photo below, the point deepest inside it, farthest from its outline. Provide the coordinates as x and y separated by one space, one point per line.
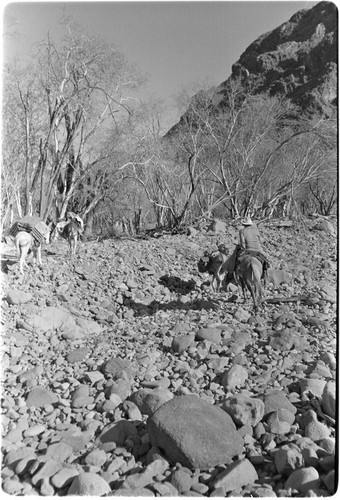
89 225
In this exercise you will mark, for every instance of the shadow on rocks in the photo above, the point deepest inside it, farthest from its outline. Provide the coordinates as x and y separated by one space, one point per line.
155 306
177 285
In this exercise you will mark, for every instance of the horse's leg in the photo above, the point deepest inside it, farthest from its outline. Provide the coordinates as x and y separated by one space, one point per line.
257 286
218 282
252 291
243 286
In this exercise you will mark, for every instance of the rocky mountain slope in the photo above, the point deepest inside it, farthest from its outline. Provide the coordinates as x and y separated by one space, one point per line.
124 374
298 59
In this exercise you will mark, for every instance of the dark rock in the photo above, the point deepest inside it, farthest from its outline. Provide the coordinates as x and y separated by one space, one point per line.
194 433
117 432
328 400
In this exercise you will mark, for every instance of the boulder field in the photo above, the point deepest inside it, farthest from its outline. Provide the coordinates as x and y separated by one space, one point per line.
124 374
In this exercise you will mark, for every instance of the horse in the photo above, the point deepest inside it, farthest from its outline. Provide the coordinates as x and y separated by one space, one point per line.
69 231
212 263
249 272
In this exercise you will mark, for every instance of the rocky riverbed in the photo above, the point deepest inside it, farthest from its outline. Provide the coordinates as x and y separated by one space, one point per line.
123 374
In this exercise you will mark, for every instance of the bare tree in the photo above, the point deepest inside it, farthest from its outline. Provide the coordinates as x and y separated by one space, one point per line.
81 88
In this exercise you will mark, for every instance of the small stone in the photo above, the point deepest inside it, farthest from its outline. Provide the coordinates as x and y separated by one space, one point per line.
310 457
200 488
59 451
182 342
275 400
316 430
211 334
132 492
242 315
48 470
262 492
96 457
236 475
16 297
88 483
235 377
115 400
39 397
117 432
94 376
46 489
14 436
34 430
329 481
64 477
243 409
328 400
313 386
11 486
118 368
328 444
131 410
303 480
120 387
78 355
181 480
329 359
287 460
277 426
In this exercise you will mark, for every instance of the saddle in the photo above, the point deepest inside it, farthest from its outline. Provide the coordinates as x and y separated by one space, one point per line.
242 253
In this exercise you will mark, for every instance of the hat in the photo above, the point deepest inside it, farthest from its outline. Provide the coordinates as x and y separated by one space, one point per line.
247 221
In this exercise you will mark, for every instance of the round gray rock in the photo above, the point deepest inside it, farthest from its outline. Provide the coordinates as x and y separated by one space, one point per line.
194 433
89 484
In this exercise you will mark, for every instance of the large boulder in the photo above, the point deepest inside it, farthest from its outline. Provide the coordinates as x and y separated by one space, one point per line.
194 433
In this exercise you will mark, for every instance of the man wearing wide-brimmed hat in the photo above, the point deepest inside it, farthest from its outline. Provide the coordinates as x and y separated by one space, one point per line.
250 236
250 242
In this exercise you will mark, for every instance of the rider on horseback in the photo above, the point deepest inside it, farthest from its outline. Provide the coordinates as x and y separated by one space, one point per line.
249 244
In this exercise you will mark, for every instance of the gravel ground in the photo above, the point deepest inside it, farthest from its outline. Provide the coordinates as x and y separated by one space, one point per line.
124 374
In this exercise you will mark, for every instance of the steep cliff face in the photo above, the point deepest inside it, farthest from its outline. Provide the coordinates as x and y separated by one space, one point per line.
298 59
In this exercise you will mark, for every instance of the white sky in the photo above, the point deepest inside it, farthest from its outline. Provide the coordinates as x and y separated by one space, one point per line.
175 43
